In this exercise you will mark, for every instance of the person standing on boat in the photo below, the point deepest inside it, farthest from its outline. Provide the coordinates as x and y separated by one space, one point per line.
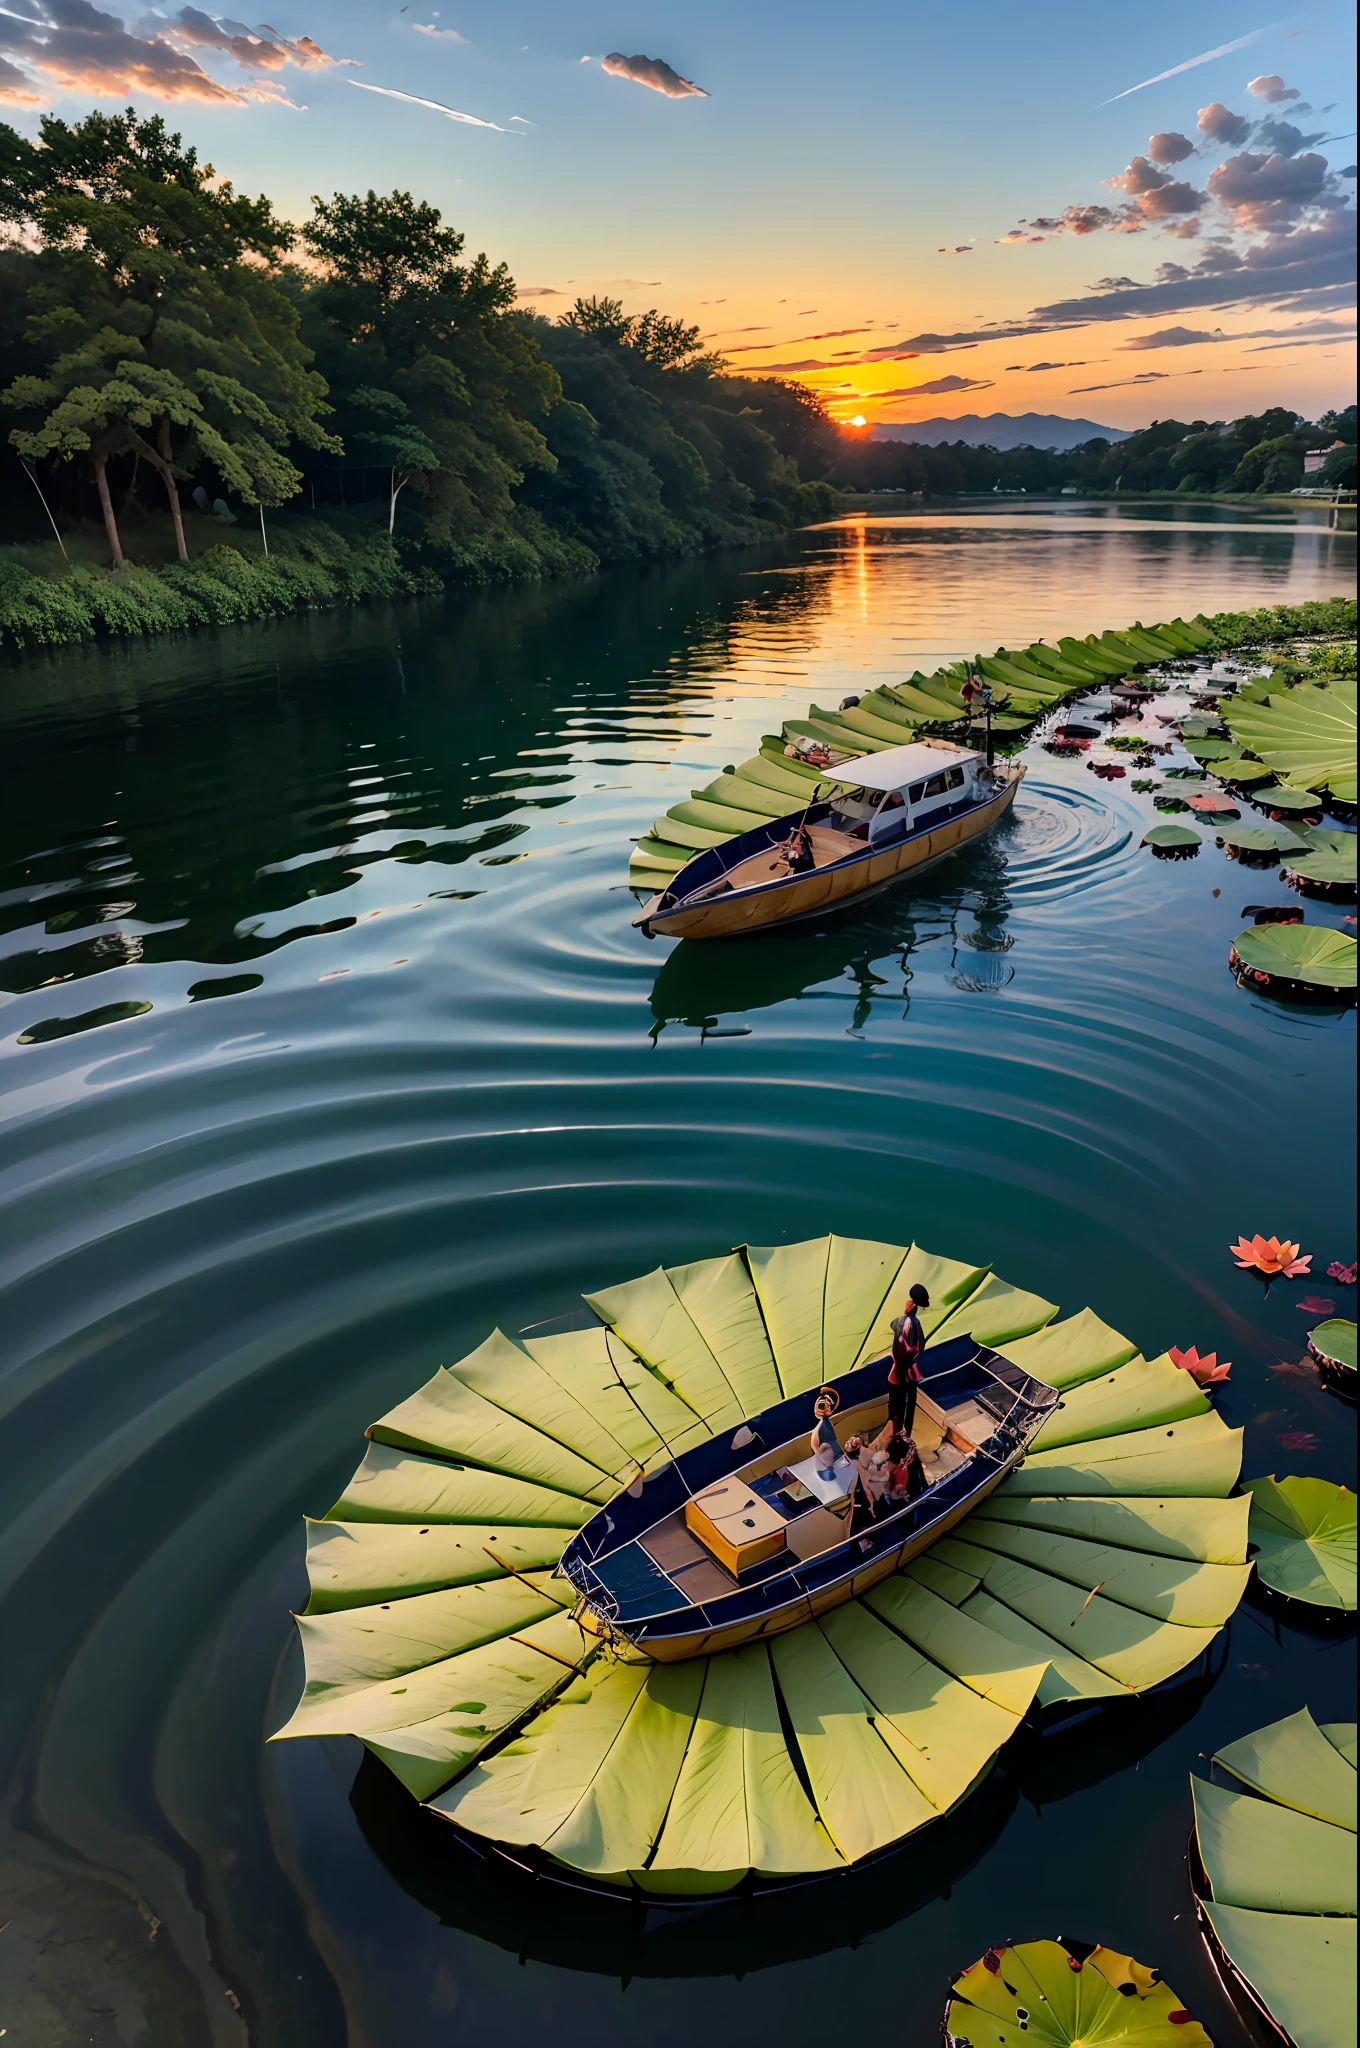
904 1374
797 850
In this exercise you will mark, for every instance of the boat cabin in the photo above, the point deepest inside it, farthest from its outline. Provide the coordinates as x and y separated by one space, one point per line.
745 1536
884 797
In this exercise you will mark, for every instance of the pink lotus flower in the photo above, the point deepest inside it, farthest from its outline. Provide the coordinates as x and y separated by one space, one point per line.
1203 1371
1273 1256
1297 1440
1338 1270
1315 1304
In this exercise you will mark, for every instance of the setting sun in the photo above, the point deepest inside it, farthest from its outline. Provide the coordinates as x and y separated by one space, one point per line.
859 420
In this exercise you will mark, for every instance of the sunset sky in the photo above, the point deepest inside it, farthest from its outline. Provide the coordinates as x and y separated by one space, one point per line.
921 211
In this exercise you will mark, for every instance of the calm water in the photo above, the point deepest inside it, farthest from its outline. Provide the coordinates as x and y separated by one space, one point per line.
399 1069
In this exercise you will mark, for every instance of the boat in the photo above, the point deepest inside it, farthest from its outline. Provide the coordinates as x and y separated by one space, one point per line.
871 821
746 1536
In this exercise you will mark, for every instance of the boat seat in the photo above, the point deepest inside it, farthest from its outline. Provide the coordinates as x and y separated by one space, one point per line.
815 1532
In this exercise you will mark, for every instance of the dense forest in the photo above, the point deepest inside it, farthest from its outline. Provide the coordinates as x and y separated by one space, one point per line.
1262 452
169 346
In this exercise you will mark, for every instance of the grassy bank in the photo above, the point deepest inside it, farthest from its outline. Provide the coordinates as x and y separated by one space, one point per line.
51 600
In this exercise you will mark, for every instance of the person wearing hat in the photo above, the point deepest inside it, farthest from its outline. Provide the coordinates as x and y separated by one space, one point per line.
904 1374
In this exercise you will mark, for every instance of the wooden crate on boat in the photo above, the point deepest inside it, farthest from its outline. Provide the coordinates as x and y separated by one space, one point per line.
735 1524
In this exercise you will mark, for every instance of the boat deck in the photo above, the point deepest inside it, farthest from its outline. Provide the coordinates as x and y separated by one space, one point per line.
771 864
667 1567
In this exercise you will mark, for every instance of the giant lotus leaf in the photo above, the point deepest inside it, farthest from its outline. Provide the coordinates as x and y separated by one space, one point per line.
1307 735
1279 1860
1304 1533
438 1633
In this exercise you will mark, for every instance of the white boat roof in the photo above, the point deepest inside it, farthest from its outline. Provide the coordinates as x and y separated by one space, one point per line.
895 767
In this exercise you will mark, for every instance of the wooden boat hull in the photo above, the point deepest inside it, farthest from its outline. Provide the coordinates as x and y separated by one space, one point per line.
791 897
656 1593
707 1642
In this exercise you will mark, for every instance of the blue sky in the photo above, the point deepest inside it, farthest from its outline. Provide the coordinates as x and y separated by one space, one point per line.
849 172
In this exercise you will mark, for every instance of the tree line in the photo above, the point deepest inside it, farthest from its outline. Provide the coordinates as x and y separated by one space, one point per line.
169 343
1261 452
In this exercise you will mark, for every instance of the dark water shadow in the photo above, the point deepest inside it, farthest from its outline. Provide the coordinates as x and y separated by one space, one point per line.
547 1921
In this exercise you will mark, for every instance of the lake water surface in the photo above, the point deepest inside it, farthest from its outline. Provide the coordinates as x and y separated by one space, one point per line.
326 1044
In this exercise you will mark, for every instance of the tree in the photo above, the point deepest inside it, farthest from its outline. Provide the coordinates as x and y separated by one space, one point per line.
1273 465
397 318
397 441
154 315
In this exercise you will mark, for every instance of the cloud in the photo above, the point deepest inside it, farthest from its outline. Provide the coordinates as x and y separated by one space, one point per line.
937 388
1205 57
1170 147
72 46
655 73
436 106
1174 337
638 284
830 334
1143 377
1307 269
1030 368
1156 195
1268 191
1271 88
1017 235
962 249
538 291
1282 138
1220 124
1183 230
443 35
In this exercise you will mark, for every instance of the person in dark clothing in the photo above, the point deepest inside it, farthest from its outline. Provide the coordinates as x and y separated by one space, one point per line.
798 850
904 1374
906 1474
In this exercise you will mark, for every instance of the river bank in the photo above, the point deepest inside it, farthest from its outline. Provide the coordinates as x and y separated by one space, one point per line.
57 594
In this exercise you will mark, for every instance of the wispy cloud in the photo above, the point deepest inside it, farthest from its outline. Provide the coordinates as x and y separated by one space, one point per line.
436 106
1143 377
1204 57
938 387
653 72
443 35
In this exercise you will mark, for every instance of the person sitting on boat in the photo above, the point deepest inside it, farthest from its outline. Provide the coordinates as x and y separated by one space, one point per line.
797 850
824 1442
906 1474
871 1465
904 1374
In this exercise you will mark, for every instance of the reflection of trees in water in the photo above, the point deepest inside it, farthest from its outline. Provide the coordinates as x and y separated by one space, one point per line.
210 793
962 907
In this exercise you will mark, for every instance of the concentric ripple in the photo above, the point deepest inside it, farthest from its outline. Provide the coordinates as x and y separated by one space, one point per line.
370 1059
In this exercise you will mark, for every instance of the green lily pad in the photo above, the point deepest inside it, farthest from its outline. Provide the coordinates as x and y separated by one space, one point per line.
1327 839
1334 870
1063 1995
1171 835
1260 839
1279 1859
1210 750
1304 1530
1309 953
1239 770
1334 1343
1285 799
1170 803
1307 735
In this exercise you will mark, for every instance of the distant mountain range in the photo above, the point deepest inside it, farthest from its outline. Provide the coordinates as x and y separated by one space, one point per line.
1001 430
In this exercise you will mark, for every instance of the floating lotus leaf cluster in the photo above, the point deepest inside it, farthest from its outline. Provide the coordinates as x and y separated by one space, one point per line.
1277 1861
1024 684
438 1633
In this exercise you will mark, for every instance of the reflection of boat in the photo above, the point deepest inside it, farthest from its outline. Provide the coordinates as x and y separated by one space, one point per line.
884 816
721 1546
